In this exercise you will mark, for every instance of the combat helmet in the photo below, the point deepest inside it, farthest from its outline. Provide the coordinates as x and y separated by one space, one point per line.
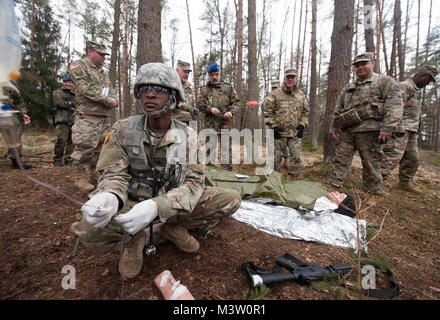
160 74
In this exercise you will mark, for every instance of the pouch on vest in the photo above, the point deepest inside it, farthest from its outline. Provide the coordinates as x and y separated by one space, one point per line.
348 119
377 108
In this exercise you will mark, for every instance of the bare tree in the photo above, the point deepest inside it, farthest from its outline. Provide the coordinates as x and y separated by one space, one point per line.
149 45
252 121
314 112
192 50
239 75
340 65
368 26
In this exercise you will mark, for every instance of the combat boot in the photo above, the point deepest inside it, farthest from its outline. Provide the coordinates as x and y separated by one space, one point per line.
57 163
16 166
180 236
80 228
405 185
130 264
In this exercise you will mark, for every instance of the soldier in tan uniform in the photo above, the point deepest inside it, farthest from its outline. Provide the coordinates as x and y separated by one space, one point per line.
286 111
366 114
140 178
186 111
403 148
64 102
16 102
95 100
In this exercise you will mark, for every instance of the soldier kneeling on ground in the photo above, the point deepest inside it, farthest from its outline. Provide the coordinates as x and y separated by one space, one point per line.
139 181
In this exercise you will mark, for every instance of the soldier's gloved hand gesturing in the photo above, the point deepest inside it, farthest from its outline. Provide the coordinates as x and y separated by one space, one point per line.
276 132
140 216
300 130
100 209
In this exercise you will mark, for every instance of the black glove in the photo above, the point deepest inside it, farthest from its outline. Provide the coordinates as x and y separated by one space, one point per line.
276 132
300 130
194 111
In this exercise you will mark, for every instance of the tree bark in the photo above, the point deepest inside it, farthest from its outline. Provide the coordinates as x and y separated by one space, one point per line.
149 45
115 46
418 38
340 66
314 113
299 37
368 26
252 120
192 51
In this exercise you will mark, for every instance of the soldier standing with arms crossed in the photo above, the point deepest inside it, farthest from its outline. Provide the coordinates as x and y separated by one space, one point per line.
403 148
366 114
95 100
64 102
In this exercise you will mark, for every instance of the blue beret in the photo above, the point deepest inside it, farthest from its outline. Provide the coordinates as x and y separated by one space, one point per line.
213 68
66 79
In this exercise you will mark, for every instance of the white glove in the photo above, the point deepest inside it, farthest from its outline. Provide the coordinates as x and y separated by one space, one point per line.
100 209
138 217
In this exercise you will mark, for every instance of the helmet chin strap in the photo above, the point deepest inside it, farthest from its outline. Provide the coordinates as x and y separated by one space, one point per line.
170 105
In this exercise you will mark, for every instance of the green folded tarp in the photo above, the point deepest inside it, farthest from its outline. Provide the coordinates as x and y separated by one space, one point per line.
274 186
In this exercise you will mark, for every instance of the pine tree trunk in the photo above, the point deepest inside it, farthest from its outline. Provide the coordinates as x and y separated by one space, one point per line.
299 37
252 119
192 51
149 46
428 40
304 45
293 29
314 112
239 75
368 26
125 66
114 50
340 66
418 38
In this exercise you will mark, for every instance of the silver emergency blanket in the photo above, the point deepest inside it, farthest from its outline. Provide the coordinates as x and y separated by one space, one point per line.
321 224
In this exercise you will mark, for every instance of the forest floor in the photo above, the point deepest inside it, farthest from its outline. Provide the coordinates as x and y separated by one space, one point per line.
36 242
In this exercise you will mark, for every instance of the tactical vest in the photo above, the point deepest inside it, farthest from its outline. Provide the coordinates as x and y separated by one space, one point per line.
149 180
371 106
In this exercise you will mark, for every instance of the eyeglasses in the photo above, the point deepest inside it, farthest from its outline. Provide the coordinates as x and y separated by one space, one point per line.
155 89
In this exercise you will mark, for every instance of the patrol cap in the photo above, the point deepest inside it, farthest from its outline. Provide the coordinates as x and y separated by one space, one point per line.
213 68
290 72
185 66
367 56
275 83
98 47
66 79
432 72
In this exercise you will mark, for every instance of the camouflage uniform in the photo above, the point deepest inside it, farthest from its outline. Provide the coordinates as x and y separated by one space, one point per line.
287 110
134 154
92 115
224 98
362 110
16 102
64 102
185 201
182 112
